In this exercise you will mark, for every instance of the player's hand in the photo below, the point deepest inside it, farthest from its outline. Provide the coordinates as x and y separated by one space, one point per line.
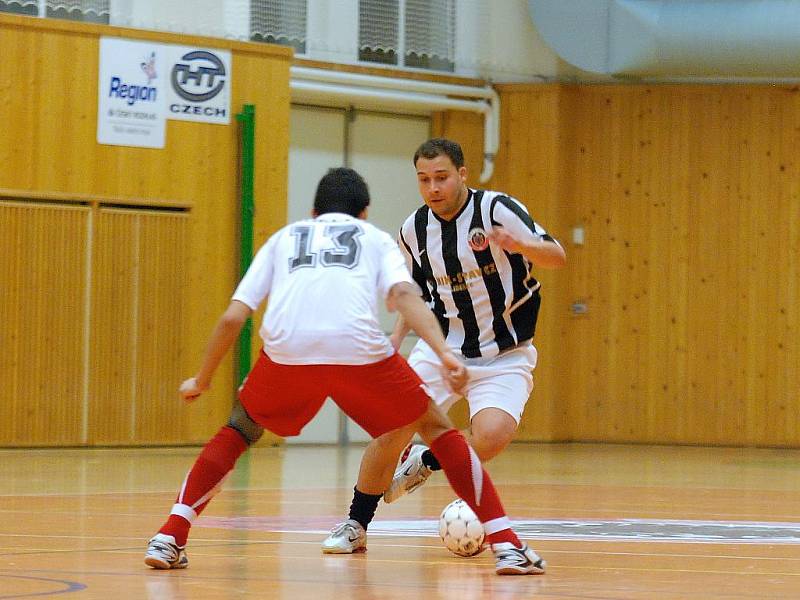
505 240
454 373
190 390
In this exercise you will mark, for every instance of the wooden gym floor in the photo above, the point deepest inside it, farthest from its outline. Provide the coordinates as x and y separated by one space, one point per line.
614 522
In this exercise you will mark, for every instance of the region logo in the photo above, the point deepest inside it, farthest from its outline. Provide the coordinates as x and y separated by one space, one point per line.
132 93
477 239
199 77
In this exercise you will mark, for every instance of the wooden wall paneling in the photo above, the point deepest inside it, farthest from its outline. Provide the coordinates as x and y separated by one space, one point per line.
723 263
706 359
626 371
573 349
116 282
49 148
670 264
160 416
52 107
43 279
138 311
19 109
537 181
65 97
591 346
788 253
689 268
653 191
702 246
652 292
768 252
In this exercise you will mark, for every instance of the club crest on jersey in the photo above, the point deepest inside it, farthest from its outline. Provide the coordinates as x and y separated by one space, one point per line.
477 239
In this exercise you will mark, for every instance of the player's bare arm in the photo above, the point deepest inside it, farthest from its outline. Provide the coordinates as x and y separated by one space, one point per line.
542 253
404 297
222 338
399 332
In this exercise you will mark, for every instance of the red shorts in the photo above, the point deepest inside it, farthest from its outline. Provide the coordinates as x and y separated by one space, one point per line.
380 396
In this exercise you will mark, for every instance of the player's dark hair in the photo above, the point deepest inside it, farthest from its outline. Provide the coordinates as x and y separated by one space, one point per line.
438 147
341 190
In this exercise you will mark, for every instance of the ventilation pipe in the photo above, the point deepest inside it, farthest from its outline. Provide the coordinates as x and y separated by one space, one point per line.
336 88
675 39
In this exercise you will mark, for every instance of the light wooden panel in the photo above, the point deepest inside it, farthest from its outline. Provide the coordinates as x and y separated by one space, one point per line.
138 312
42 293
689 200
162 292
536 181
49 149
114 310
689 197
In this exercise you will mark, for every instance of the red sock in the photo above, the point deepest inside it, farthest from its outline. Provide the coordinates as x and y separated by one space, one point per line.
204 481
472 483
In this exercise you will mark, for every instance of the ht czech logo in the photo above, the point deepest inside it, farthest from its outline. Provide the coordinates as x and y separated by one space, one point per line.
194 80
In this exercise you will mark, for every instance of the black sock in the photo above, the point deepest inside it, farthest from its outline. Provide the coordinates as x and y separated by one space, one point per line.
363 507
429 460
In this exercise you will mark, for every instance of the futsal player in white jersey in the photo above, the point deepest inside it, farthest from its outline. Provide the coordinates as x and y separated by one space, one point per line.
324 278
471 252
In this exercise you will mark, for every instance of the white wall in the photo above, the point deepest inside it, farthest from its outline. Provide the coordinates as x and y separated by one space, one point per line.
495 39
225 19
510 47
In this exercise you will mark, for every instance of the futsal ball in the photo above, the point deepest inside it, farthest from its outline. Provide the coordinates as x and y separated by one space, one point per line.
460 529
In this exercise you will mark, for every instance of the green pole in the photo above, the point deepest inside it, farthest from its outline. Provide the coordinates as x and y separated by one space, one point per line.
247 119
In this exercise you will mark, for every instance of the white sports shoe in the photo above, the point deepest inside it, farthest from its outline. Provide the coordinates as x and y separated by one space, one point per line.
411 474
346 538
510 560
164 553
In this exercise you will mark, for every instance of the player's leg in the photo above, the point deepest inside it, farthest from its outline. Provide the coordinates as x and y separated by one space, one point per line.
417 463
385 399
473 484
491 430
166 550
281 398
380 458
375 474
497 395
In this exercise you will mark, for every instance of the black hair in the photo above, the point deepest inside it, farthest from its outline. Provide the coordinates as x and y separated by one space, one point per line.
438 147
341 190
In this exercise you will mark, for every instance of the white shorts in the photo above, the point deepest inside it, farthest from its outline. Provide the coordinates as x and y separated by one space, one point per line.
504 381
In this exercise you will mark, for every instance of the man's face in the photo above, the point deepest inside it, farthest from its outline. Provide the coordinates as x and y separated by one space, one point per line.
441 185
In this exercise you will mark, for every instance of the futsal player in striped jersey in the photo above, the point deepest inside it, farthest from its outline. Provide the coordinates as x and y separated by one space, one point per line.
324 278
471 252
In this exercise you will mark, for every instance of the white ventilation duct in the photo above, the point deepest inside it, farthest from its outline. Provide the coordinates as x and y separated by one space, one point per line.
337 88
675 39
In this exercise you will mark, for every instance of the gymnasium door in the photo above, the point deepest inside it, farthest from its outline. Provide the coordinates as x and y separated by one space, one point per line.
380 147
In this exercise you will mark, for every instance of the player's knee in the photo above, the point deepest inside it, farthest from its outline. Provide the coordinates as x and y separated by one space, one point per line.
241 422
488 442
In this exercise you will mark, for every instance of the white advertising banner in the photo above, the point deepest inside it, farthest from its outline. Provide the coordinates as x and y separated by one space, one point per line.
199 84
132 100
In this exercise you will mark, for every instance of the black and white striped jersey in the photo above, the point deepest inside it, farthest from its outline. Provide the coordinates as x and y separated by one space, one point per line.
485 299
